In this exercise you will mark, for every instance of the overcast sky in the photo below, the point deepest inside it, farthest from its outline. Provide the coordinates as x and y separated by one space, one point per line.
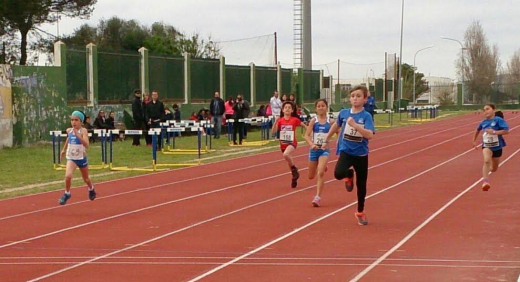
357 32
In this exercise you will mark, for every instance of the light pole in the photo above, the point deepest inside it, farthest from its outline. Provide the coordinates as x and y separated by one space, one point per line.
401 61
431 46
462 61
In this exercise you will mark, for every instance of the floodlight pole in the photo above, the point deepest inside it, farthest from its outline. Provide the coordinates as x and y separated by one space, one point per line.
414 69
401 61
462 62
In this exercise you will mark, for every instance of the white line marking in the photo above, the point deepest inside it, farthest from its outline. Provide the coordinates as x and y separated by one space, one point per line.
321 218
411 234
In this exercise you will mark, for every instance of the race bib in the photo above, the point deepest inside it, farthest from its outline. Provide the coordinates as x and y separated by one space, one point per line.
351 134
75 152
287 136
490 140
319 138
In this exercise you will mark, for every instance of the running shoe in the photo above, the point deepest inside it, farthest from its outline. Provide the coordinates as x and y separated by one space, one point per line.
349 184
295 176
485 185
316 202
92 194
63 200
361 218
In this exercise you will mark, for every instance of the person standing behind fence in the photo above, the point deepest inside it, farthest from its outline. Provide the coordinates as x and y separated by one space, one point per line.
147 137
101 121
217 109
370 104
176 113
241 109
138 116
155 114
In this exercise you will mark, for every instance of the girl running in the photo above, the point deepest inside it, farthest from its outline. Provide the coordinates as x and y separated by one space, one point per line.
494 128
357 127
287 126
75 151
318 156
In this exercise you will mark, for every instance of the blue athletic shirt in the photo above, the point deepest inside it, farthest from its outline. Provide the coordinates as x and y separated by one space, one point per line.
351 141
319 131
75 150
490 140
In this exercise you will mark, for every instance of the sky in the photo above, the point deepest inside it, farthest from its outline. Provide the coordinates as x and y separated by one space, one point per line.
356 32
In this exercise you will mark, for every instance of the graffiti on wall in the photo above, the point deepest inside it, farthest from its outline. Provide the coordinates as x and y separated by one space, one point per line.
6 103
38 108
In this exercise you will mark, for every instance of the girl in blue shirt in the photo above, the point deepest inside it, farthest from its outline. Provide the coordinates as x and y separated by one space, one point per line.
494 128
75 150
357 127
315 136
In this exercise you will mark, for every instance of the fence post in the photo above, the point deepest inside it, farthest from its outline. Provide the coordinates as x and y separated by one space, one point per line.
92 75
279 78
223 77
187 78
144 71
253 84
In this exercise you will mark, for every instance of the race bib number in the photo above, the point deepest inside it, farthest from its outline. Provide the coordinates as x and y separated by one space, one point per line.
319 138
75 152
287 136
351 134
490 140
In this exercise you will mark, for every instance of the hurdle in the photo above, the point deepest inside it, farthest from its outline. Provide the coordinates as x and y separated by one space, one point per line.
185 126
264 132
125 168
56 136
154 150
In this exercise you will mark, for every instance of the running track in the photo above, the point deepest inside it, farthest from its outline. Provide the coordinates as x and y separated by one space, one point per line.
239 220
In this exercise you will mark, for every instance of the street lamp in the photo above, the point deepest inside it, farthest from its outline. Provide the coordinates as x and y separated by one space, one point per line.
401 61
431 46
462 61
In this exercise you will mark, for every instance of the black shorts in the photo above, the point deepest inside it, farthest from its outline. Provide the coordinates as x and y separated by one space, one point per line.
497 153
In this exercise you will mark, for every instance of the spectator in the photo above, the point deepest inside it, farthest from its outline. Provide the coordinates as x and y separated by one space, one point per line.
261 111
283 98
100 122
229 108
217 109
111 120
276 105
240 112
176 113
292 98
138 116
155 114
146 101
193 116
168 115
370 104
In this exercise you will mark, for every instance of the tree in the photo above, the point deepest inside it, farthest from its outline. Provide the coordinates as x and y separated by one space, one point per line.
24 16
481 64
420 83
513 76
446 95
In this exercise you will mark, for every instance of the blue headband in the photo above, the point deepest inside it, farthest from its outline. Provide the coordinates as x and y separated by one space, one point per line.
80 115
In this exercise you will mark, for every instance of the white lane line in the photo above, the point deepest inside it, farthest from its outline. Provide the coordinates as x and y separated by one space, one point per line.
236 211
411 234
211 175
321 219
191 197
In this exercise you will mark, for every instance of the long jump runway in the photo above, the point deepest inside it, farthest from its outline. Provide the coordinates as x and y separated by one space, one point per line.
239 220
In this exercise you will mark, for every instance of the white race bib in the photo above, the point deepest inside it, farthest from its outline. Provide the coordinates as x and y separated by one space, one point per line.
351 134
287 136
75 152
490 140
319 138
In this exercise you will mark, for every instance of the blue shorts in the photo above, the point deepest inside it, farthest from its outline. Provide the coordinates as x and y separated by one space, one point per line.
315 155
80 163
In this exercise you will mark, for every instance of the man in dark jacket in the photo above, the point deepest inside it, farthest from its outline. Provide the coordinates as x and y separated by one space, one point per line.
241 109
155 114
138 115
217 109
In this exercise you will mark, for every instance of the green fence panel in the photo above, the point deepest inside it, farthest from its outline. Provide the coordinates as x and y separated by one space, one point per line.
118 75
379 90
287 82
205 79
238 80
76 74
311 86
166 75
266 83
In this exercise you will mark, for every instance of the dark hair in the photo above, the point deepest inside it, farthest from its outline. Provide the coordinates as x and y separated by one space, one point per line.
362 88
499 114
137 91
294 114
321 100
491 106
175 106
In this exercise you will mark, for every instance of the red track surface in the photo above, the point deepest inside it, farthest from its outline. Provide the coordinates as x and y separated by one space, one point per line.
238 220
